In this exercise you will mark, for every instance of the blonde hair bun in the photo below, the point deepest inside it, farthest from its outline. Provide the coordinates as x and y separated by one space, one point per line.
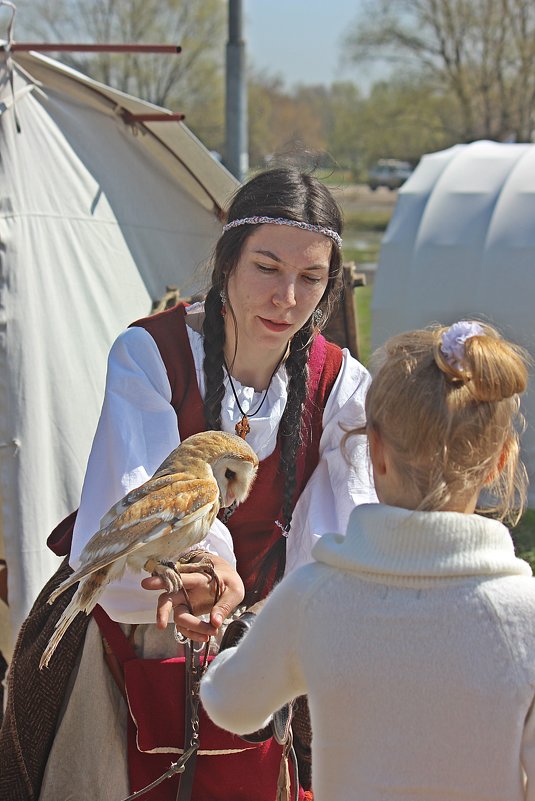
492 368
446 401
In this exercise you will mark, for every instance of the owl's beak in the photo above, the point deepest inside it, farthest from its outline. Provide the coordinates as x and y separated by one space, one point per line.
228 498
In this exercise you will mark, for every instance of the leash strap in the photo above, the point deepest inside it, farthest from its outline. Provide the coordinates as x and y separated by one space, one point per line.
281 726
176 767
194 671
118 649
185 766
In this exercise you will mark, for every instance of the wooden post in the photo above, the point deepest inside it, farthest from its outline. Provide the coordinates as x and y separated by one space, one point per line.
343 327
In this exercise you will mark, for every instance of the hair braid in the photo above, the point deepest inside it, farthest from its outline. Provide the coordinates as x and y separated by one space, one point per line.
290 429
291 422
214 340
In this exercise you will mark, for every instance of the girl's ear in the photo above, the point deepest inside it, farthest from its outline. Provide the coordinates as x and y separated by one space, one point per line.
502 461
377 452
504 457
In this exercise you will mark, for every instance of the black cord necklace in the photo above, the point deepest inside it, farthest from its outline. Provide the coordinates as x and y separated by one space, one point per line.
242 427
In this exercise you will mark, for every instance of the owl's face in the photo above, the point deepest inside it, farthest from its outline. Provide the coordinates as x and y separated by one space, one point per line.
234 478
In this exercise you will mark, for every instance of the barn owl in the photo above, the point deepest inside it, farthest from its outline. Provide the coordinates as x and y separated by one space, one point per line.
151 526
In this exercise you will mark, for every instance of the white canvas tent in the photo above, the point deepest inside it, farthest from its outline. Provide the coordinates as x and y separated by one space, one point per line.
461 243
97 216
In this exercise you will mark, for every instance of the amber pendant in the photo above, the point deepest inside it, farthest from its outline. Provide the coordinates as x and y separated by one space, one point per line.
242 428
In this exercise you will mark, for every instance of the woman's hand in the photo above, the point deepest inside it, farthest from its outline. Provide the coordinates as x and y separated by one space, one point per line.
201 591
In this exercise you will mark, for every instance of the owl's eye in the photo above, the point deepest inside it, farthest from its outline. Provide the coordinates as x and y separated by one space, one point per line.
230 474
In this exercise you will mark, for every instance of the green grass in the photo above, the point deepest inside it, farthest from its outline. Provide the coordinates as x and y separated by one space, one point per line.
524 537
361 220
363 296
366 226
364 255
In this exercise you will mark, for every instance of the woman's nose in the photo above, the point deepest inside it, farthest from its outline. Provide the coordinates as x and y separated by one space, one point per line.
285 293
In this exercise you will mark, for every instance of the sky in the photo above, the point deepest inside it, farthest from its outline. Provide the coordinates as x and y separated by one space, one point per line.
301 40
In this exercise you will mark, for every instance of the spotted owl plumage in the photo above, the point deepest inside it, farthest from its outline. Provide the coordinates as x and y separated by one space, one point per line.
153 524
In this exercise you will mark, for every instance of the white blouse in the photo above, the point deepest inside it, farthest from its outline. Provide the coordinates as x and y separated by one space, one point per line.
138 429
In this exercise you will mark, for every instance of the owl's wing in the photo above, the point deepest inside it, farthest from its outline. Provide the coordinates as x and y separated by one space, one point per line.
154 483
155 515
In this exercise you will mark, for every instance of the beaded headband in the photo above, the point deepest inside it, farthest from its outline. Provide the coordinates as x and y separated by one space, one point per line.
318 229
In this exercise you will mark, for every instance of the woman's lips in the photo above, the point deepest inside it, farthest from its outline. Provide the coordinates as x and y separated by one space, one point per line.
272 325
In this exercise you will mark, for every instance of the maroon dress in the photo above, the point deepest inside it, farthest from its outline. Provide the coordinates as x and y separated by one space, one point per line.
155 687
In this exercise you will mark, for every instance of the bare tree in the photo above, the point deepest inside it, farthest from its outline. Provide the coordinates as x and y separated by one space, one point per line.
286 124
191 82
480 51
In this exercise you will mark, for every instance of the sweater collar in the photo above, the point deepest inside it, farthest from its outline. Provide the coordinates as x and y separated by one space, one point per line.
407 545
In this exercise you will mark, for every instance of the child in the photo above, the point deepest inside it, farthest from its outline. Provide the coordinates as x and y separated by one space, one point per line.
414 635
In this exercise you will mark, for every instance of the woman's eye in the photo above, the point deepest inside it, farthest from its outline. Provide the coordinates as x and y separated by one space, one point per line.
312 279
265 269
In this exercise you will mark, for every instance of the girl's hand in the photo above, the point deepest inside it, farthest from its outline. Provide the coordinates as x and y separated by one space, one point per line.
201 592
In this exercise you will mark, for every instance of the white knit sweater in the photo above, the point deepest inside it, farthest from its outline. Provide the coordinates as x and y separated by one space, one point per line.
414 638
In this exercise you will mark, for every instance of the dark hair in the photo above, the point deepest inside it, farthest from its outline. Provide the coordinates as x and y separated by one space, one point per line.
281 192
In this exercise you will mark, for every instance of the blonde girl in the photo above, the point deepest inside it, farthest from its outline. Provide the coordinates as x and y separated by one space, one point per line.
444 409
414 634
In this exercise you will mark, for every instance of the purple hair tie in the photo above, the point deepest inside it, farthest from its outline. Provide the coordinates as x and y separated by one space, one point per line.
453 341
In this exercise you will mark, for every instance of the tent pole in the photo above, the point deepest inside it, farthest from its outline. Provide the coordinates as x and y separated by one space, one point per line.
171 117
92 48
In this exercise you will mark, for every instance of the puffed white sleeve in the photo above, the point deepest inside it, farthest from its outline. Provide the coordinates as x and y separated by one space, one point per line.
343 477
136 431
245 684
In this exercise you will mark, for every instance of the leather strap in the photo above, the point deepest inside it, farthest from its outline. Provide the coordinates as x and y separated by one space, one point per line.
118 649
191 720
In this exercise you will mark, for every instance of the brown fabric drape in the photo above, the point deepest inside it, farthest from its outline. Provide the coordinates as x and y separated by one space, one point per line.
32 712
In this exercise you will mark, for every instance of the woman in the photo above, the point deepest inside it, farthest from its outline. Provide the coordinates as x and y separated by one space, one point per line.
249 359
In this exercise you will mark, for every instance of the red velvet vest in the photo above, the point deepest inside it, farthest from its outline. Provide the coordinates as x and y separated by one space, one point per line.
252 525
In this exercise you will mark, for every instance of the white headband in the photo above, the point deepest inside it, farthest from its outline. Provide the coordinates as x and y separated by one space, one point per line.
318 229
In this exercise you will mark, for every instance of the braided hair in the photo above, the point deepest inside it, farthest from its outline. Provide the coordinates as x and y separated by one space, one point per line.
281 192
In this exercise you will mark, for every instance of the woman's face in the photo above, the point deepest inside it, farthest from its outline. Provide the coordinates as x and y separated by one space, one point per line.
278 282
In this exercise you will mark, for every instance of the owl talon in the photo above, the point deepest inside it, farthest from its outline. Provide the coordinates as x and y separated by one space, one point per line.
187 564
169 574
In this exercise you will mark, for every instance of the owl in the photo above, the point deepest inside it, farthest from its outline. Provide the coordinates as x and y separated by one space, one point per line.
151 526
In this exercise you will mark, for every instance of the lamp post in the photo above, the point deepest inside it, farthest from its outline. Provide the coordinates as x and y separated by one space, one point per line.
236 144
